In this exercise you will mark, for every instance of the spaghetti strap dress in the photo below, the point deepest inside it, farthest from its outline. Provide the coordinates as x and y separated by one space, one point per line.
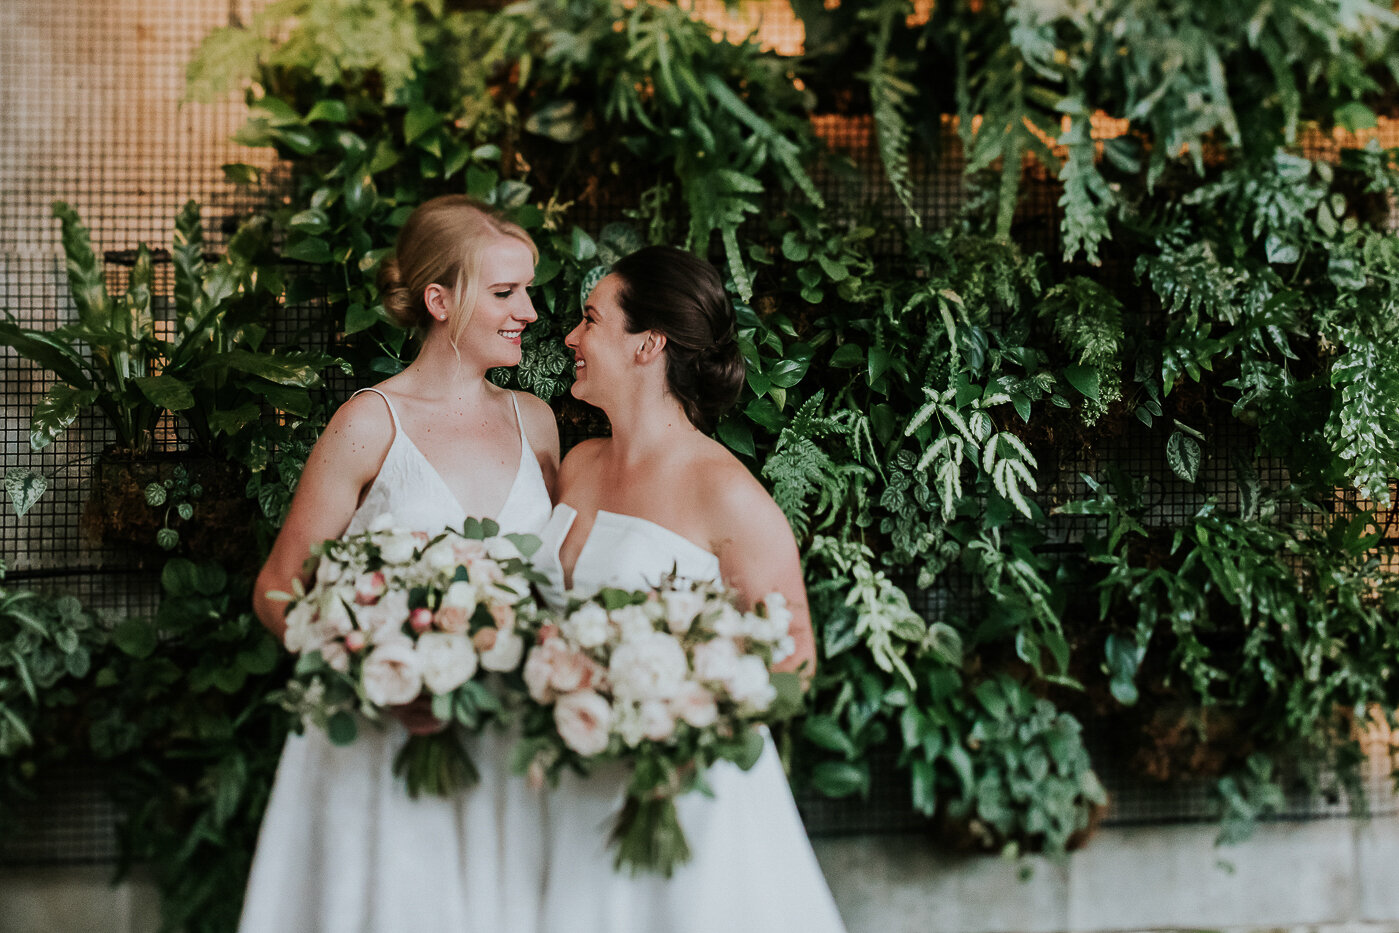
752 868
343 848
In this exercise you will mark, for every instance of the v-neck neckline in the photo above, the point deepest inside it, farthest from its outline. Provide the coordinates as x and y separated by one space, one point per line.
441 481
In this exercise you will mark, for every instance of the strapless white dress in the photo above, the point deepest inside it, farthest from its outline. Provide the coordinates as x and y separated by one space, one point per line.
343 848
752 871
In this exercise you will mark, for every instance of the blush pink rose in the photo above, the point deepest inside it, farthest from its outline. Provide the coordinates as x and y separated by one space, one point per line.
369 587
584 721
392 675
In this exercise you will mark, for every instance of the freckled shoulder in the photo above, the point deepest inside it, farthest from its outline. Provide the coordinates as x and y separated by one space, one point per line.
359 435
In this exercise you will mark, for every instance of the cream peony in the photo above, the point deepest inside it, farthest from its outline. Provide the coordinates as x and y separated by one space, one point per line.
584 721
716 661
751 684
447 661
657 721
397 548
504 653
649 667
695 705
681 608
391 674
588 627
389 613
633 622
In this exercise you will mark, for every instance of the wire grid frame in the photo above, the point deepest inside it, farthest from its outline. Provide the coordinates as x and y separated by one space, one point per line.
93 91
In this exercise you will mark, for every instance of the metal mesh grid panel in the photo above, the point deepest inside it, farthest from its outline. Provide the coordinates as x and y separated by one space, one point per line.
92 90
72 822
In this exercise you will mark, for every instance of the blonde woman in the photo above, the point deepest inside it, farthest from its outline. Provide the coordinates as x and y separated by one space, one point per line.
343 849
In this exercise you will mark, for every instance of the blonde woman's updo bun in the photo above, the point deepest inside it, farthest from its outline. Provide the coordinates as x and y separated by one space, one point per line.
397 299
442 243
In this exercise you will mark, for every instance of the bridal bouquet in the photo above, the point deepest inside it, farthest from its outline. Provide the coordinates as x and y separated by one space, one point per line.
670 681
394 614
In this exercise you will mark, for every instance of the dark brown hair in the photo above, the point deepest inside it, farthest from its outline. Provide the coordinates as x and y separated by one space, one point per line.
674 293
441 243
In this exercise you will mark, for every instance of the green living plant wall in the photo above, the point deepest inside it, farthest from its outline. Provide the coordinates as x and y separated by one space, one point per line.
1205 309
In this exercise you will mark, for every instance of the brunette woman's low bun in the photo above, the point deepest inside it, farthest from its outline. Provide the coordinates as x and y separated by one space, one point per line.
398 300
677 294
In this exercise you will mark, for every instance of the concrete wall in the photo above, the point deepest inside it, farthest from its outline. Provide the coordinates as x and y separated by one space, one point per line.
1326 875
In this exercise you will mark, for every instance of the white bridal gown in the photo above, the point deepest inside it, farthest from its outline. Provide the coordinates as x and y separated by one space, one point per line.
752 869
343 848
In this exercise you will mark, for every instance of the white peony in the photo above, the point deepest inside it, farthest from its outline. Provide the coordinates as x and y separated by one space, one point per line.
681 608
440 556
384 521
657 721
328 571
503 549
633 622
505 652
389 613
695 705
588 627
447 661
650 667
461 595
584 721
751 684
392 675
716 661
299 620
730 623
397 548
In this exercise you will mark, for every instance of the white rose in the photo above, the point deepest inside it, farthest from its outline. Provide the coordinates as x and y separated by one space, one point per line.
504 655
447 661
648 668
440 556
392 675
299 620
716 661
336 655
729 623
397 548
460 595
681 607
388 614
328 571
584 721
384 521
695 705
334 616
538 669
657 721
751 684
588 627
503 549
633 622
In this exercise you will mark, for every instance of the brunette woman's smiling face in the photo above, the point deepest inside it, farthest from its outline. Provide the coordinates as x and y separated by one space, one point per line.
603 350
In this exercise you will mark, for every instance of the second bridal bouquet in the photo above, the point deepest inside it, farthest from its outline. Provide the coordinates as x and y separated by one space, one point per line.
395 615
670 681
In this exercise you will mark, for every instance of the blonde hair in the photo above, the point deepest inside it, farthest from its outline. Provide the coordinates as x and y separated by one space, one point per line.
443 243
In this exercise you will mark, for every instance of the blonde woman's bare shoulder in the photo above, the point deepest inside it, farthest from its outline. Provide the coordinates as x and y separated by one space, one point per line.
361 431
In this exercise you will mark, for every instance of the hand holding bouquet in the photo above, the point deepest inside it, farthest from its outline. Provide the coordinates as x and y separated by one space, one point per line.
669 680
394 614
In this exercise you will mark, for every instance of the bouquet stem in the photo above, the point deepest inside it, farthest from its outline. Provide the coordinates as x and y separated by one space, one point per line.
436 764
648 836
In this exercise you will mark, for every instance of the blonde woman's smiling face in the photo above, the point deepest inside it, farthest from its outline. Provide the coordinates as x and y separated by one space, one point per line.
503 306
